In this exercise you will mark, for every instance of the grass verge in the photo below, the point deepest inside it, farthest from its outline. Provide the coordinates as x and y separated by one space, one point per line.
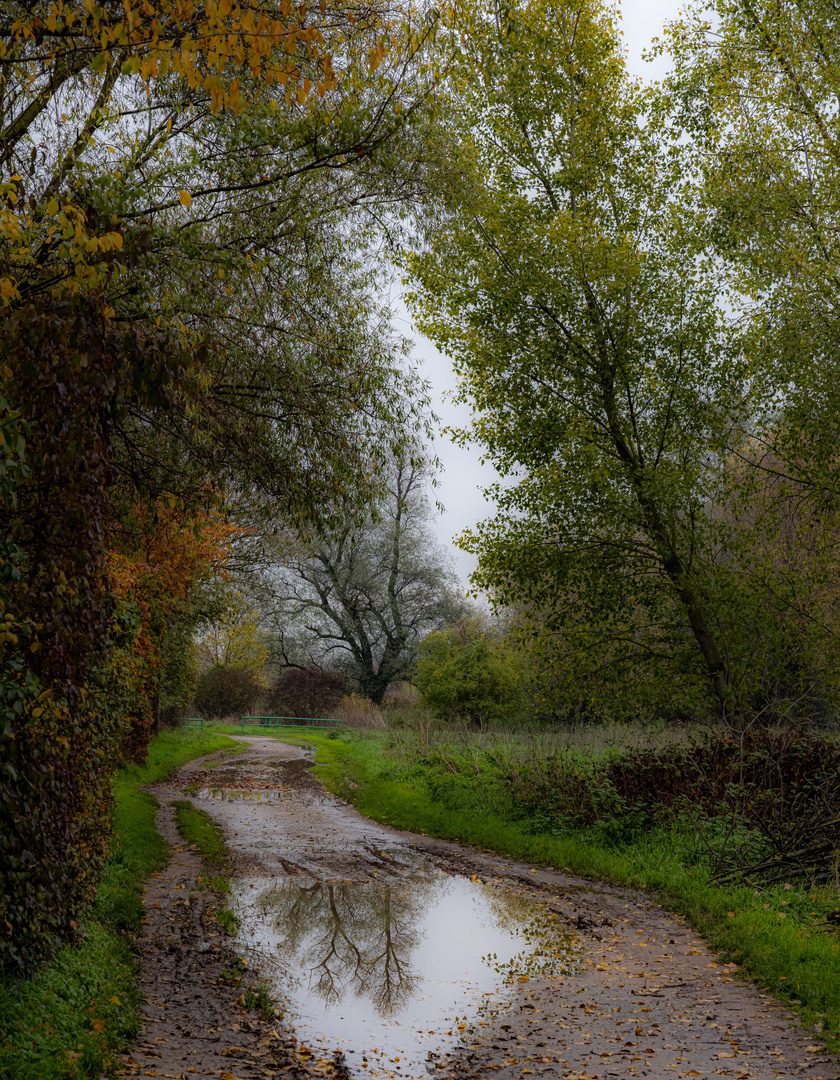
199 829
72 1018
776 934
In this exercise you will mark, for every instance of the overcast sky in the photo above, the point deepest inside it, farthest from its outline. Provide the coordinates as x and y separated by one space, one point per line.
464 477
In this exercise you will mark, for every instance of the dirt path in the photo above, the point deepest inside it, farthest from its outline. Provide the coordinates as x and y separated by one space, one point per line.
645 997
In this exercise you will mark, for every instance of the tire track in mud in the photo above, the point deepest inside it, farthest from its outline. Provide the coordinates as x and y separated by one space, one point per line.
646 998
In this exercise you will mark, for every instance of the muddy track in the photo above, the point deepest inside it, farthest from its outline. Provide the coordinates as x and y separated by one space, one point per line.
645 997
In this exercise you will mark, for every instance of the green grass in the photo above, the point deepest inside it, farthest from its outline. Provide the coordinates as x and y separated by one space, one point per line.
199 829
73 1016
773 934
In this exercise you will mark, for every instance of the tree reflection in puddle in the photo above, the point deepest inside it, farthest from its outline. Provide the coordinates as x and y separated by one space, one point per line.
350 939
394 973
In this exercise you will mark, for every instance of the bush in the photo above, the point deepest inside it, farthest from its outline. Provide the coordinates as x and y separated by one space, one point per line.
307 693
774 794
469 676
226 691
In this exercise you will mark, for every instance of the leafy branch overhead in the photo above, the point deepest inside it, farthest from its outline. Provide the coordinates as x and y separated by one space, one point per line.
190 322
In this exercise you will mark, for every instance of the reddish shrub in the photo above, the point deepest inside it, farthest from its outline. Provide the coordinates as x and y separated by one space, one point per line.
307 693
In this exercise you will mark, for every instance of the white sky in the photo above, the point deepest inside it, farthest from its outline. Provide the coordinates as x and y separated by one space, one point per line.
464 477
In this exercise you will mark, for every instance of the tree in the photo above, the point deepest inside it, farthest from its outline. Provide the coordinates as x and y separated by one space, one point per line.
232 636
596 334
227 691
155 562
216 194
466 672
361 596
140 231
568 285
758 97
305 693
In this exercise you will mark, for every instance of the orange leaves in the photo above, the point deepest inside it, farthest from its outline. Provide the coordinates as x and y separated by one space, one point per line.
153 562
156 36
377 55
164 550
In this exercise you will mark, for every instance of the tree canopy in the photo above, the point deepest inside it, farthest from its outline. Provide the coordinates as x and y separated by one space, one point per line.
621 379
189 320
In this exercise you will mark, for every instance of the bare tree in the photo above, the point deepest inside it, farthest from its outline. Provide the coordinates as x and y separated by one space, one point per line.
360 597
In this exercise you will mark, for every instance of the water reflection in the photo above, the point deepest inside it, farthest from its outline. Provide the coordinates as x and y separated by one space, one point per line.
348 938
394 974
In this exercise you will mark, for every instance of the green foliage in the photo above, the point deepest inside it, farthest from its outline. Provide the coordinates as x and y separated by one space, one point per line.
179 669
232 639
67 1021
68 653
466 673
620 376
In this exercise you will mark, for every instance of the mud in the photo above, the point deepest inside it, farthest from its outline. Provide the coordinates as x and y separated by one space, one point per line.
194 1022
643 998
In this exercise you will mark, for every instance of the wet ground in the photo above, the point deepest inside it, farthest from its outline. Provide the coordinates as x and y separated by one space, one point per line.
392 954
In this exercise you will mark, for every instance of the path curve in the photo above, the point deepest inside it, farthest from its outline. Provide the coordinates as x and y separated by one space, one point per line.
650 1000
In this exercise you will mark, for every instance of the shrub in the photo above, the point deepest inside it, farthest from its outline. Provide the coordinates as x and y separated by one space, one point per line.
401 696
469 676
307 693
227 691
774 795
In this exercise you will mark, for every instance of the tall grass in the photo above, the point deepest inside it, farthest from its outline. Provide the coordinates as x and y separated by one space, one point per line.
414 729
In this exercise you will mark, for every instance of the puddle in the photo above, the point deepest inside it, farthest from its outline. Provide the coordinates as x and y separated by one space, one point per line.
394 975
267 795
